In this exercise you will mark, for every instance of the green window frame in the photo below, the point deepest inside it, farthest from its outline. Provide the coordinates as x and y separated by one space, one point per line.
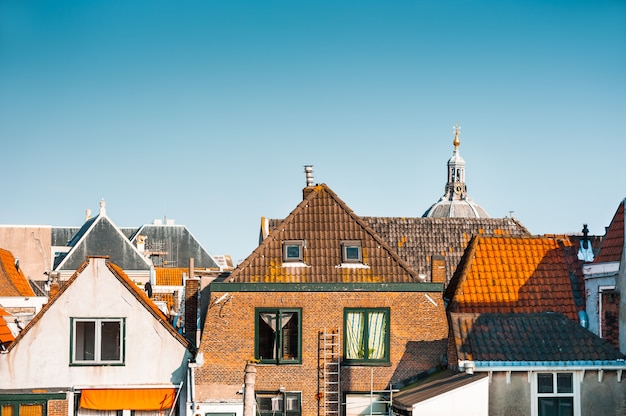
278 335
366 336
97 341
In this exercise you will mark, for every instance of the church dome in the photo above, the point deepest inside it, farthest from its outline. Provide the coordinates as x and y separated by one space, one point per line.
455 203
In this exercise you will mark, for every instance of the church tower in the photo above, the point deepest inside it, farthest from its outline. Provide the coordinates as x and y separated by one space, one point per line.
455 203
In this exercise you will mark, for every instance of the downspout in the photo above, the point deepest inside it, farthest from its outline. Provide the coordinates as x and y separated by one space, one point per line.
249 401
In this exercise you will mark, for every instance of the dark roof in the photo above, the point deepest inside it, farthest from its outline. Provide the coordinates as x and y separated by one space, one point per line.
613 242
323 221
523 275
61 236
528 337
100 237
448 381
178 244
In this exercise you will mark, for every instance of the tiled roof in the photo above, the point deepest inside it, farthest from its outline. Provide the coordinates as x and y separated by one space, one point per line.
524 275
535 337
613 242
418 239
323 221
170 276
6 336
12 279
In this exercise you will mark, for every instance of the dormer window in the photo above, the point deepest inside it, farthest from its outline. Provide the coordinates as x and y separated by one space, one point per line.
293 251
351 252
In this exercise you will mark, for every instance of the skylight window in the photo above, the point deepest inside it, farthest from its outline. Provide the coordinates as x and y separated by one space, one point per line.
351 252
293 251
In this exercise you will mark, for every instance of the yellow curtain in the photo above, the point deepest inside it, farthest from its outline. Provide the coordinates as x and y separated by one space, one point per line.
127 399
6 410
31 410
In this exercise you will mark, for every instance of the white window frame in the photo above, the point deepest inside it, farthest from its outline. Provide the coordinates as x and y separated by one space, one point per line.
535 395
74 360
345 246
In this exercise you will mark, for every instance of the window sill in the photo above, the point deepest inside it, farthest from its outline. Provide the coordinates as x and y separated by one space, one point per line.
295 264
366 363
352 266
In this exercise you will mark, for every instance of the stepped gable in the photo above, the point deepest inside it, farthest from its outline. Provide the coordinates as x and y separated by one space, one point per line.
322 221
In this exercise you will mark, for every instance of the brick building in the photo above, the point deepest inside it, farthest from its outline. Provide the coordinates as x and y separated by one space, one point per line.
328 312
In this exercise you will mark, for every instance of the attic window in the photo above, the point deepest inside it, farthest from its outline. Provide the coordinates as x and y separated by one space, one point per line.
293 251
351 252
97 341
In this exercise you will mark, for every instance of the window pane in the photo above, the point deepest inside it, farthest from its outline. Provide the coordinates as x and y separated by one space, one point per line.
544 383
110 334
376 331
267 336
6 410
85 341
293 252
352 253
564 383
355 348
556 406
289 322
31 410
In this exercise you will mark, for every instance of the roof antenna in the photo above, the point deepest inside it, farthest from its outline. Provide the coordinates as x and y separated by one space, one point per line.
308 169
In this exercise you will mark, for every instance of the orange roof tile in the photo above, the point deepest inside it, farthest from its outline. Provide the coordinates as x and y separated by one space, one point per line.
613 241
12 279
537 277
6 336
170 276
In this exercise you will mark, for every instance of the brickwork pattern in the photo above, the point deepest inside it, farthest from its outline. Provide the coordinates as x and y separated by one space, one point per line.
57 408
418 339
610 317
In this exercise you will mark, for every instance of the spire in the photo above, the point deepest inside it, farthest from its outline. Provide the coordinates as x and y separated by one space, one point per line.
456 142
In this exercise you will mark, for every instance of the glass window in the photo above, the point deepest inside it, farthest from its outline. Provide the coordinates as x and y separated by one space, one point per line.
293 250
555 394
279 404
97 341
278 335
366 335
351 252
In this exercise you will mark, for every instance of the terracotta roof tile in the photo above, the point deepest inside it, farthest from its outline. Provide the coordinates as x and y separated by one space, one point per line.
322 220
170 276
613 243
537 277
12 279
6 336
542 337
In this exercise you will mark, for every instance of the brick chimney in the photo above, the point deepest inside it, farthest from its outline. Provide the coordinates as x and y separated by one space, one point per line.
438 269
192 309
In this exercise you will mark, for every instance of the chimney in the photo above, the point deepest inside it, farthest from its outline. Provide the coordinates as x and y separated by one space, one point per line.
54 284
192 302
249 402
141 243
87 214
438 269
308 170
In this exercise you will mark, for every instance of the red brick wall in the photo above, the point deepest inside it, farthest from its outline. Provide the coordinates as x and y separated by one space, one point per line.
418 331
57 407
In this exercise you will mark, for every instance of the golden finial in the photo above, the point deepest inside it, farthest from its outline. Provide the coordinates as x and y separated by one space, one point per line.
456 142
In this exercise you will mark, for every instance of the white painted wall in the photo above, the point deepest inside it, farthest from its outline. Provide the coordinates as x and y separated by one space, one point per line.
468 400
42 357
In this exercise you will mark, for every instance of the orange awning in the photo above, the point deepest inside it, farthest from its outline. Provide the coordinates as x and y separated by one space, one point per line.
128 399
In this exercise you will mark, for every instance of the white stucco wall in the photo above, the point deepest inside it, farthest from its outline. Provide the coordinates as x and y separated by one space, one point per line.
42 357
468 400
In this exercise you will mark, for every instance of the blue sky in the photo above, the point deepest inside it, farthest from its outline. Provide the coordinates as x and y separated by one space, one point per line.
206 111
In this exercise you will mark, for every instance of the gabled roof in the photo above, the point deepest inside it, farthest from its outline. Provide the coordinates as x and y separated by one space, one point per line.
99 236
523 275
527 337
322 220
417 240
12 279
613 243
177 243
118 273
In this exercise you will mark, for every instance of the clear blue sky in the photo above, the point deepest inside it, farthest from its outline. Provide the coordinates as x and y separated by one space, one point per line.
206 111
